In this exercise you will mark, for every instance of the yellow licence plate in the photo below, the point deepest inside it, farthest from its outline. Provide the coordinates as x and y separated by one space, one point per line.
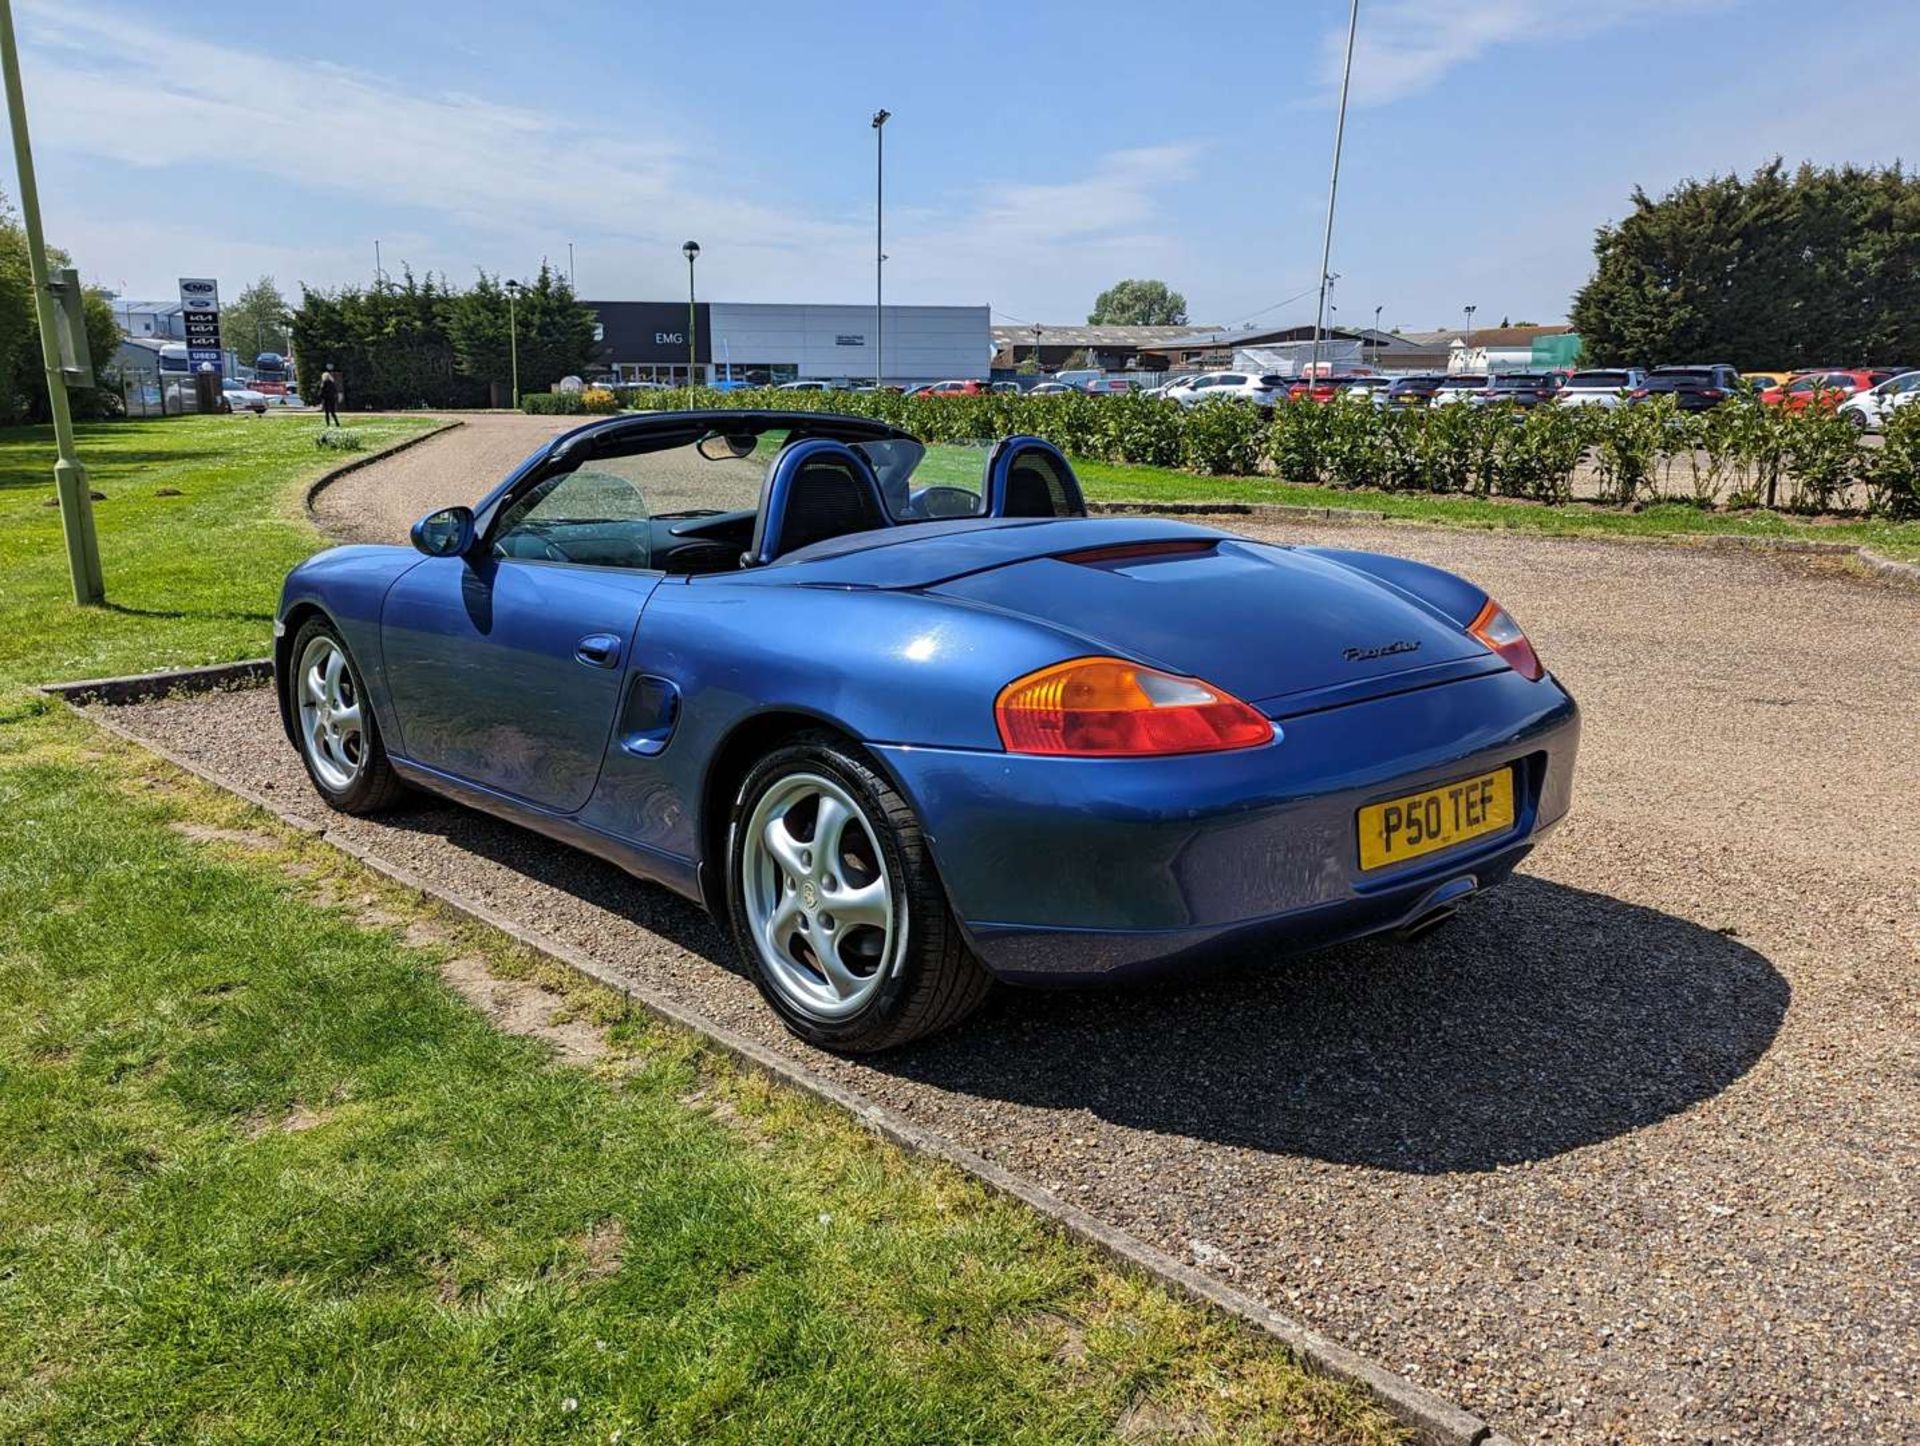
1424 823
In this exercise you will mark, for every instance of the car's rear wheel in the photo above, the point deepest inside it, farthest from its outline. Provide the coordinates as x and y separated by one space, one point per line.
1856 420
836 906
333 722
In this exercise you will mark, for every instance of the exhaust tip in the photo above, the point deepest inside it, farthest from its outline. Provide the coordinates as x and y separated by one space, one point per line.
1437 907
1426 923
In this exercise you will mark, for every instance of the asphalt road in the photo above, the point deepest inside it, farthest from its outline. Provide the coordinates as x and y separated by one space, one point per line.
1630 1152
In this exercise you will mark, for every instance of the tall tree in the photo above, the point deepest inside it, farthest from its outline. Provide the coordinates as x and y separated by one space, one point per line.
554 332
1820 267
418 342
1139 303
23 385
256 320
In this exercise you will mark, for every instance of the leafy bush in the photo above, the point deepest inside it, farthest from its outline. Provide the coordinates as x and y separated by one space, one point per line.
554 404
1223 438
1822 457
1627 448
1739 453
1892 474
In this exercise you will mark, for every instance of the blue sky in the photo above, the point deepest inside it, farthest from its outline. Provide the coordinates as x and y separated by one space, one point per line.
1036 152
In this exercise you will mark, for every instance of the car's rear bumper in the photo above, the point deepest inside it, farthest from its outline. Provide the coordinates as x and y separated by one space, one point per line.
1075 868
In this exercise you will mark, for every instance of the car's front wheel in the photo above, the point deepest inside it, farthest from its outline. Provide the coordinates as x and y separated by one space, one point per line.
334 725
836 906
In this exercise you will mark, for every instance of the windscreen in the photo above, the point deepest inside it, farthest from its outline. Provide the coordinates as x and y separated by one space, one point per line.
1613 380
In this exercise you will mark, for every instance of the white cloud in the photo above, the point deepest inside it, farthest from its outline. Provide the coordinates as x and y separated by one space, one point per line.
1404 47
457 180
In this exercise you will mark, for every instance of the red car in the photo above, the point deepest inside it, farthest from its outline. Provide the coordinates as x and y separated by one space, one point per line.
1319 389
954 389
1829 388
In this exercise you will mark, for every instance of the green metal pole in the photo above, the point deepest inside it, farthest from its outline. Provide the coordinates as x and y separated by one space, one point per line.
693 346
513 347
69 477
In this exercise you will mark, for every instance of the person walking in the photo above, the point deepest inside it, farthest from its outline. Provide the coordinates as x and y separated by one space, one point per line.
330 396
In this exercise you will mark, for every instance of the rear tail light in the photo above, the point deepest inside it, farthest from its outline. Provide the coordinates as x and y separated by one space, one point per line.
1638 392
1711 392
1496 628
1106 707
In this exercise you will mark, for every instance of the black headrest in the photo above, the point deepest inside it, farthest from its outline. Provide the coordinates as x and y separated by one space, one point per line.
815 490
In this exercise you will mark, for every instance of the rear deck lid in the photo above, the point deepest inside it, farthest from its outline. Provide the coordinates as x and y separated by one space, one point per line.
1281 629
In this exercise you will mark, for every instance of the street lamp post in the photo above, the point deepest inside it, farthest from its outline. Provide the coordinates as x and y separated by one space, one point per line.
880 119
513 337
1333 184
69 477
1037 331
690 251
1466 342
1376 336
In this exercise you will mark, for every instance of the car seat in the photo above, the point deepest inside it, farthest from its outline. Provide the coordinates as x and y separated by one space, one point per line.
814 490
1026 477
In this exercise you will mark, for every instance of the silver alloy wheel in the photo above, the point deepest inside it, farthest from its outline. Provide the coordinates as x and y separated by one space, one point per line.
822 908
331 730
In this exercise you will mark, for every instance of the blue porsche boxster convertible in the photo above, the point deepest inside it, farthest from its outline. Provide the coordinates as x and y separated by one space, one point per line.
910 729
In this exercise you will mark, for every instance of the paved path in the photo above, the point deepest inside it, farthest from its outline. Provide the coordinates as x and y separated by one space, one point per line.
1629 1152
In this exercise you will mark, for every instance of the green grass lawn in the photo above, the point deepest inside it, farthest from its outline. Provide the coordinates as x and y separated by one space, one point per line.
1112 482
191 578
263 1175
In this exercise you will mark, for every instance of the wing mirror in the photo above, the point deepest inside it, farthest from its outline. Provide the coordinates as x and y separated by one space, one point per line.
722 447
446 533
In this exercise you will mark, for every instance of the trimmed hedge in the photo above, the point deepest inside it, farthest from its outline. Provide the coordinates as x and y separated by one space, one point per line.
593 402
1738 455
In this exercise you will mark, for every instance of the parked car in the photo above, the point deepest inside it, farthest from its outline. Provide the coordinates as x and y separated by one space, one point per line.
806 386
1371 390
1109 386
1823 388
1169 384
1760 381
1867 411
1693 388
1317 389
1051 389
1414 391
234 397
1517 389
961 388
1458 387
902 760
1600 388
1262 390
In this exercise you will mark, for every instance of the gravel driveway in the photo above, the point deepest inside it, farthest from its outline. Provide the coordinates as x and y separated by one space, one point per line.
1630 1152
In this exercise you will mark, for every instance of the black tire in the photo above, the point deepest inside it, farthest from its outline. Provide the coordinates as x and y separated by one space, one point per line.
1857 420
375 786
935 980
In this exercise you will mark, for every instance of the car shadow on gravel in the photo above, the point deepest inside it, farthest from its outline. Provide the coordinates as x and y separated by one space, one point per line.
592 880
1544 1019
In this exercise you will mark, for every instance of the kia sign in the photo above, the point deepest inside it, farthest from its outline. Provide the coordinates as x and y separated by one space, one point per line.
200 314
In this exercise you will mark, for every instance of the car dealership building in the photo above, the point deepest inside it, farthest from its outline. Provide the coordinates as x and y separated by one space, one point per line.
646 341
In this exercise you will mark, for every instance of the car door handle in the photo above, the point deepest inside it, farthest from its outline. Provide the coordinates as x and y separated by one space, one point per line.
598 650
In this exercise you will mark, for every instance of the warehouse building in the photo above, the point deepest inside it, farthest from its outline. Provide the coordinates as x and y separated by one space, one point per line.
766 344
